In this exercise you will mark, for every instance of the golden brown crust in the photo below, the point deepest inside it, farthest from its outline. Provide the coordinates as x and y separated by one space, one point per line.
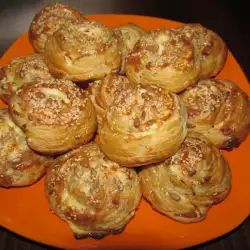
219 110
49 19
145 124
20 70
209 46
103 92
187 184
165 58
55 114
82 52
128 35
19 165
94 195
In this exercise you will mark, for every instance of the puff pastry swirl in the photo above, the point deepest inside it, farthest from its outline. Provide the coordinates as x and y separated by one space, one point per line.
86 51
20 70
94 195
187 184
219 110
165 58
209 46
55 115
145 124
128 35
103 92
49 19
19 165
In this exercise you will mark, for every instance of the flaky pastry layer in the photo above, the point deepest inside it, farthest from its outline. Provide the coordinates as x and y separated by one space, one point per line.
94 195
219 110
20 70
128 35
165 58
145 124
87 51
55 115
19 165
209 46
103 92
186 185
49 19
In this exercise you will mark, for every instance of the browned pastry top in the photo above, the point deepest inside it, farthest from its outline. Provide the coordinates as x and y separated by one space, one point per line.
165 58
56 115
93 194
20 70
219 110
19 165
147 123
49 19
187 184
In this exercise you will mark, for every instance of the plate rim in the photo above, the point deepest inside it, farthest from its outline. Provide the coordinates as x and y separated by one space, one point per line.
127 16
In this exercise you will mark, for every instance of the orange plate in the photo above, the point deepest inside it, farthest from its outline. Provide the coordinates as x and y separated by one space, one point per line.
25 210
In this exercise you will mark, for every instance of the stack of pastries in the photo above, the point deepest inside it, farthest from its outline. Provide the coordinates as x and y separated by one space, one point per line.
111 115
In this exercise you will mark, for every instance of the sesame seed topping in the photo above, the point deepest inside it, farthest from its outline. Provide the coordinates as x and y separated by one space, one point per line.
208 99
85 39
51 18
51 102
83 179
162 48
142 107
103 92
21 70
17 160
189 154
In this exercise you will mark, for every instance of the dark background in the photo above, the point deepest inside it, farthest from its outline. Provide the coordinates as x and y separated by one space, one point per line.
228 18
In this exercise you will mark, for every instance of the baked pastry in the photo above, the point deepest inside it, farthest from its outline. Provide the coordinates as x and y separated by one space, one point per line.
19 165
94 195
20 70
144 125
128 35
103 92
82 52
49 19
219 110
55 115
187 184
209 46
165 58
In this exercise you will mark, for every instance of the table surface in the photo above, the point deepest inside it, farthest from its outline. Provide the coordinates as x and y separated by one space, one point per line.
227 18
